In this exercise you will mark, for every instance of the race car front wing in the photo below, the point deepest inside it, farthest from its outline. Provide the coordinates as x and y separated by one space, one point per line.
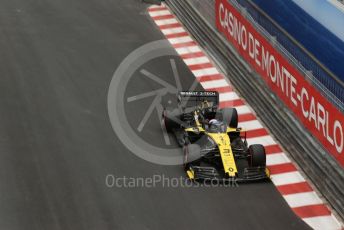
202 173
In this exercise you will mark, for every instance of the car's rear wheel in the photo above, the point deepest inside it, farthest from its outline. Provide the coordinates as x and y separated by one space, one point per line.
170 120
257 156
192 154
229 116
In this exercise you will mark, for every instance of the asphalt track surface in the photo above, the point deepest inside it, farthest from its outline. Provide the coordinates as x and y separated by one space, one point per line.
56 142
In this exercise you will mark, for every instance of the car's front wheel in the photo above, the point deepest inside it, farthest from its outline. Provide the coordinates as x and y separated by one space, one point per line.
257 156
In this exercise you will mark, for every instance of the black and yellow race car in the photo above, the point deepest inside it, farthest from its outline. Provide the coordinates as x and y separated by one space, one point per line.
213 145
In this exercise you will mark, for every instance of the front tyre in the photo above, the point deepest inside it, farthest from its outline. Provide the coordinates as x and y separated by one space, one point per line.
257 156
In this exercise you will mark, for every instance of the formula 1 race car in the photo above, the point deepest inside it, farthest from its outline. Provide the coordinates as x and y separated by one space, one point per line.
213 145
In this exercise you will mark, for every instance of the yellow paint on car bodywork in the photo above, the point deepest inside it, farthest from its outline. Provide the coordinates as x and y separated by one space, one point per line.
229 129
195 130
223 142
196 118
267 172
191 174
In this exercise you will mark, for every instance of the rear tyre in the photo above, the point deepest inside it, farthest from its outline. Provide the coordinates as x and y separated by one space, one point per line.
192 154
258 156
170 120
229 116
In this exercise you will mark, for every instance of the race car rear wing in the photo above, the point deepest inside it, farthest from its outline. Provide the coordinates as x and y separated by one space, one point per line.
196 98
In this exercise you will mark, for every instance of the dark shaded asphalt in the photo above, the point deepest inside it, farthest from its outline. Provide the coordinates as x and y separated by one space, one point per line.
57 59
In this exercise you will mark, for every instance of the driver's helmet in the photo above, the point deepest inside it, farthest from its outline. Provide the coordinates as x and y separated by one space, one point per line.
205 104
213 122
215 125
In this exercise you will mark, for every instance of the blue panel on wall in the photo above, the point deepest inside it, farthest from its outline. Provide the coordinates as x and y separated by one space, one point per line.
313 35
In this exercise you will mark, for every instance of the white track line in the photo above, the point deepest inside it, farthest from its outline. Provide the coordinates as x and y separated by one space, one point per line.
323 223
187 50
196 61
230 96
156 7
250 125
173 30
243 109
214 84
287 178
276 159
264 140
302 199
163 22
179 40
205 72
159 13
